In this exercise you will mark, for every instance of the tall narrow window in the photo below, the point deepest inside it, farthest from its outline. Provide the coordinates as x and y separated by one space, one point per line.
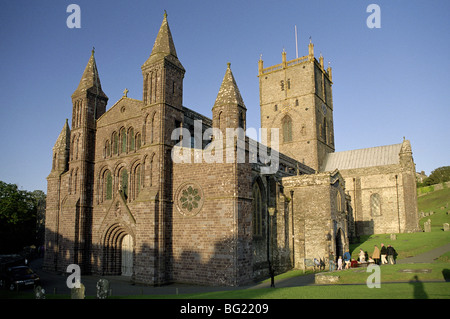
75 181
138 179
287 128
138 141
124 182
339 201
241 120
150 170
107 149
375 204
115 141
152 129
123 137
257 210
108 185
132 138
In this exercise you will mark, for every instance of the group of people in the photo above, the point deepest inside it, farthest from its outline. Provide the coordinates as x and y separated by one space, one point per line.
385 255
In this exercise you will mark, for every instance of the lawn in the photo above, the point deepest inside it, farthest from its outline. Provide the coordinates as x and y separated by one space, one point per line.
412 290
406 245
437 202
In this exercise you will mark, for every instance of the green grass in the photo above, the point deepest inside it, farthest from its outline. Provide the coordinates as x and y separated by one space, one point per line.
387 291
409 290
406 245
440 271
437 202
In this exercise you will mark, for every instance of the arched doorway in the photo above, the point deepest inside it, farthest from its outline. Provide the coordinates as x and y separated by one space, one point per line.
127 255
339 243
118 251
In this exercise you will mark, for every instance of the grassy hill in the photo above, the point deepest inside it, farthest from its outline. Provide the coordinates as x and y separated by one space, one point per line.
408 245
438 202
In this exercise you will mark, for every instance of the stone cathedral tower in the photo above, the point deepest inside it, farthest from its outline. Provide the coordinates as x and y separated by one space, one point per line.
296 98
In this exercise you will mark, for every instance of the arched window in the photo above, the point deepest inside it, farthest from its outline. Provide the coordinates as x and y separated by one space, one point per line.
123 138
339 201
75 181
150 170
70 181
286 123
375 205
107 149
77 145
138 141
115 143
123 181
257 210
137 180
152 128
131 137
108 185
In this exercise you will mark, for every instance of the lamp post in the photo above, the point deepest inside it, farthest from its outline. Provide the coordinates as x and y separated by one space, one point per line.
271 213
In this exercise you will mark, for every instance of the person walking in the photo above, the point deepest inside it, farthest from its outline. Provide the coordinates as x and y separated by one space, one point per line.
340 263
347 258
383 254
391 254
331 262
376 255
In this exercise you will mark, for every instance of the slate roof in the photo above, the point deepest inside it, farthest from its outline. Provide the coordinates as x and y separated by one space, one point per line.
366 157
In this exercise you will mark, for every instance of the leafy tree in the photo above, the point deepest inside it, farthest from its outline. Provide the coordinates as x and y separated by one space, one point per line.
439 175
18 212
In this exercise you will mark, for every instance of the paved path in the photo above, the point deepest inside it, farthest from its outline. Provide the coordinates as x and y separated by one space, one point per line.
427 257
120 285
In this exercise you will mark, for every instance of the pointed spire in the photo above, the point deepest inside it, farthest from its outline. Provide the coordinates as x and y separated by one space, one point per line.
229 91
311 49
164 46
406 147
64 137
90 77
61 150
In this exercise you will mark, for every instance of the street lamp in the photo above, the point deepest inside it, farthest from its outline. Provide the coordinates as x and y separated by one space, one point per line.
271 213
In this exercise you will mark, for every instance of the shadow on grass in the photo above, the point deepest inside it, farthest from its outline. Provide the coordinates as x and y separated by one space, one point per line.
419 290
446 274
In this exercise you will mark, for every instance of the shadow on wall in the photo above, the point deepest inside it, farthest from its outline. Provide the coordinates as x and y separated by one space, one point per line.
186 266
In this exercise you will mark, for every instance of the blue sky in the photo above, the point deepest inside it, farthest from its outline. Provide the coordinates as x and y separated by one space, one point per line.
388 82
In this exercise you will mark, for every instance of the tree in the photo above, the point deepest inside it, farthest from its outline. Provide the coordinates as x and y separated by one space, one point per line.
18 211
439 175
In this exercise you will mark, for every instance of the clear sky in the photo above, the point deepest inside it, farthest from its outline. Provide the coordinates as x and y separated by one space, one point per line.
389 82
